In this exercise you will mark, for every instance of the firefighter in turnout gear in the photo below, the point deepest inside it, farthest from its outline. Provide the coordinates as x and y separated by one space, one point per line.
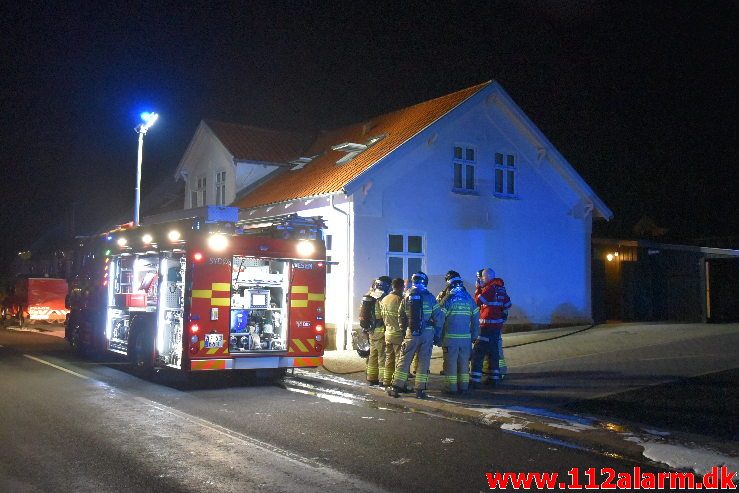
370 319
423 319
494 303
393 334
461 327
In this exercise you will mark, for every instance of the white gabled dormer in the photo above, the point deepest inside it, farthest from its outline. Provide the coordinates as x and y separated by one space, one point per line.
224 159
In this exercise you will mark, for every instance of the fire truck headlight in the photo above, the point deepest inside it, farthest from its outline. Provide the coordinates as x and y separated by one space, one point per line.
122 242
217 242
306 248
174 235
147 238
194 339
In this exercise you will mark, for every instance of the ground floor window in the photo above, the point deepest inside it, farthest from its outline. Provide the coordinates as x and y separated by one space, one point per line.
405 254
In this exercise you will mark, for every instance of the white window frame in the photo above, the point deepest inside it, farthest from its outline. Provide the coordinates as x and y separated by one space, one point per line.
220 182
508 172
405 254
464 163
200 185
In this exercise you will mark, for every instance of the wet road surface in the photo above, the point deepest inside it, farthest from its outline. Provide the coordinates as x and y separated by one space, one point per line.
74 425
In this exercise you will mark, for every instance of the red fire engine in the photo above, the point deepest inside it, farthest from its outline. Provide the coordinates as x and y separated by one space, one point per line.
204 292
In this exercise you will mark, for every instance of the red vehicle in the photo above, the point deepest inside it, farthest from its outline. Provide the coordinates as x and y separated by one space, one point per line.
205 293
37 299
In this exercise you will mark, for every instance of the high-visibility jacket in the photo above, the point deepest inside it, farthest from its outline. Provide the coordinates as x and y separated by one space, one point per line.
462 318
433 317
389 308
493 302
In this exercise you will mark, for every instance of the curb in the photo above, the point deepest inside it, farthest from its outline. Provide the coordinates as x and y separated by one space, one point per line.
592 434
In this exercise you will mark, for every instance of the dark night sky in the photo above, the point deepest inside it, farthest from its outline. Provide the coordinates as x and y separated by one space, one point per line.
639 96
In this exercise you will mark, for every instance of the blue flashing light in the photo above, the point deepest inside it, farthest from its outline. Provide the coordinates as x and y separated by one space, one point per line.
109 237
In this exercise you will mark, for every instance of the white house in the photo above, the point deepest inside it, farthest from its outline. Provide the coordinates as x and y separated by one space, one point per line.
460 182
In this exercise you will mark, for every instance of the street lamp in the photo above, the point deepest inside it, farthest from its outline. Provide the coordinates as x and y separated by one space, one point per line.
141 129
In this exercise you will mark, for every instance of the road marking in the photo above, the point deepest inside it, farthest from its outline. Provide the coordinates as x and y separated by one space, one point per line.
57 367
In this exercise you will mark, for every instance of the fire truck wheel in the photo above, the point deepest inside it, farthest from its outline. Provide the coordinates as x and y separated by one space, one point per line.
142 354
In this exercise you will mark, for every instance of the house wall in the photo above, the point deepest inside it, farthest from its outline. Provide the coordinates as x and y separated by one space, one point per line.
538 242
206 157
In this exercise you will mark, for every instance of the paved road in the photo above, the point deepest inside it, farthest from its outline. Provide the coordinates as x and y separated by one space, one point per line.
73 425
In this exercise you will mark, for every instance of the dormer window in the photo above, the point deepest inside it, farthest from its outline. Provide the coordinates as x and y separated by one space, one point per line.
352 149
198 195
300 163
221 188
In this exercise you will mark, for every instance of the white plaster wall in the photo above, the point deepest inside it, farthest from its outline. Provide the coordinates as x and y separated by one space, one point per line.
206 156
539 242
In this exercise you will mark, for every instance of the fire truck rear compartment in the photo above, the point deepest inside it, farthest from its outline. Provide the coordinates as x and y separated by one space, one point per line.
258 305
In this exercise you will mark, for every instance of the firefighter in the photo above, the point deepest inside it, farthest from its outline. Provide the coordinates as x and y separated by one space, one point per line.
461 327
494 303
443 293
370 319
423 319
393 334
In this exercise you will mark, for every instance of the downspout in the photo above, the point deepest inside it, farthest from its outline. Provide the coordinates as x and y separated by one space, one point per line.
347 321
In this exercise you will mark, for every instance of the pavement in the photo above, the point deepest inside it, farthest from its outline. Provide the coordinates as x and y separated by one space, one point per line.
667 392
661 391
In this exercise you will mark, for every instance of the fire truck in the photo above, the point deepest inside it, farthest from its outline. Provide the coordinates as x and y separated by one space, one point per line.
203 292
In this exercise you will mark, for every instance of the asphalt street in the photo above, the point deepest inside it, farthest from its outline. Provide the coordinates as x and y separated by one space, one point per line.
75 425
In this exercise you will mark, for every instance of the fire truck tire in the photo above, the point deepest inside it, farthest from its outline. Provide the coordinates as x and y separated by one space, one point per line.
141 354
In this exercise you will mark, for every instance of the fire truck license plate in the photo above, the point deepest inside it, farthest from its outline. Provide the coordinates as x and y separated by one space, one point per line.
213 340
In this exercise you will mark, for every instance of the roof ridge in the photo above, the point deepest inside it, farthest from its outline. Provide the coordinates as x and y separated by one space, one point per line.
209 121
425 101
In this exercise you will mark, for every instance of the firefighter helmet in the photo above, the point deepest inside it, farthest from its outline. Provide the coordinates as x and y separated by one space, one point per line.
383 284
420 278
452 276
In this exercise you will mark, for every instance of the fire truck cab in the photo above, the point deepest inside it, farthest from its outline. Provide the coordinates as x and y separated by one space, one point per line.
206 292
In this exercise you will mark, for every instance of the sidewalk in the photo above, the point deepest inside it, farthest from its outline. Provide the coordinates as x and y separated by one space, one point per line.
588 387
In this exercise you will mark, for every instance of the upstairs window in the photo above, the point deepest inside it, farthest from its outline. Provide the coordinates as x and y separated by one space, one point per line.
197 194
464 169
505 174
221 188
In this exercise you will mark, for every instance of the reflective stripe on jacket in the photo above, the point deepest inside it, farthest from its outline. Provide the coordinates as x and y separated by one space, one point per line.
493 301
461 318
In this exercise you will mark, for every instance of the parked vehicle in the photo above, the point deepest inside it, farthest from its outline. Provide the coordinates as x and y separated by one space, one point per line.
204 293
37 300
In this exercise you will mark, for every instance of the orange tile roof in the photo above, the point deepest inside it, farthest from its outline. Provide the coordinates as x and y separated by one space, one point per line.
322 175
249 143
